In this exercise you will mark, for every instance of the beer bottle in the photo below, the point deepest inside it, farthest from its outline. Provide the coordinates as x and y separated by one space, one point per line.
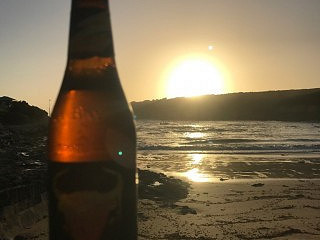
92 140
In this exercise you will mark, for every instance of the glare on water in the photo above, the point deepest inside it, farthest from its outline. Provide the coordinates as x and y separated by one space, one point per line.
196 158
195 134
196 176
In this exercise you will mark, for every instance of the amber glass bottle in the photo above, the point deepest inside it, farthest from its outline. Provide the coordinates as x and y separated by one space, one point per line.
92 140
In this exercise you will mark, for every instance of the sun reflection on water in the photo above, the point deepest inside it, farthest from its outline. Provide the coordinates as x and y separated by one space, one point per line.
196 158
194 134
195 176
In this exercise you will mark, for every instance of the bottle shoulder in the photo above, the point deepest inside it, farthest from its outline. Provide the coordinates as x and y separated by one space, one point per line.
95 73
91 104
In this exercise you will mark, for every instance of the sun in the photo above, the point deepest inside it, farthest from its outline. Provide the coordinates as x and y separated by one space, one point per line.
194 77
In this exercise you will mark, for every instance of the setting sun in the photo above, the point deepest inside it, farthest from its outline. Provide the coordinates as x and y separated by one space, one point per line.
194 77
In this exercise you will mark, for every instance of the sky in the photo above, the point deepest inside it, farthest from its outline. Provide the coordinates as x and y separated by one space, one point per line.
254 45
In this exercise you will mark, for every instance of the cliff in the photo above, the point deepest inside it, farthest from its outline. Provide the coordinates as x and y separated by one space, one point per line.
13 112
284 105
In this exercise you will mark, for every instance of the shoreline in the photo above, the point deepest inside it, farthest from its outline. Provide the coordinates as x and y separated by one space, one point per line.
202 167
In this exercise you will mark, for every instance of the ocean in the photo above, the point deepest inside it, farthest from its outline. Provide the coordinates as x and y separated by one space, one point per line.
204 151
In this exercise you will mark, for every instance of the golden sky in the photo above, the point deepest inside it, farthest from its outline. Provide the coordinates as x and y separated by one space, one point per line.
251 45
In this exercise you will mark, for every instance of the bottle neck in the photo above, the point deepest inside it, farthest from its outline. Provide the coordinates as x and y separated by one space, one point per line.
90 34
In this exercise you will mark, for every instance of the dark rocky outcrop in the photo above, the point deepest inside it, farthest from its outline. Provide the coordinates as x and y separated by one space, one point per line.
13 112
159 187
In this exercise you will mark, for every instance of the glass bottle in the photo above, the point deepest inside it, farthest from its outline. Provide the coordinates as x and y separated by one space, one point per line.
92 139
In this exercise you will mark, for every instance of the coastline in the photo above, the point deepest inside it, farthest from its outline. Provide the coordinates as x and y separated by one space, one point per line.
187 194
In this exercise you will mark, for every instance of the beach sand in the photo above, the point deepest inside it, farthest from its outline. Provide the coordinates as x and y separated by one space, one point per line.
241 209
232 209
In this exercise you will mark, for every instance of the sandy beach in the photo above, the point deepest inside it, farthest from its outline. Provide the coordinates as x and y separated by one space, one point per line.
233 209
248 209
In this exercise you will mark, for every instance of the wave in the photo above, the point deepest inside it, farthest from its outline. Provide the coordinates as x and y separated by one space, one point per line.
236 137
222 141
301 140
235 148
245 140
205 130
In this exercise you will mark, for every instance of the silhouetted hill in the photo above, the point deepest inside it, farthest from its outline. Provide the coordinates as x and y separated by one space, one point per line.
285 105
13 112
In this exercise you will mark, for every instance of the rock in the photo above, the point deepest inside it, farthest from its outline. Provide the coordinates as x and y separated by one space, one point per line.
167 189
19 237
186 210
257 185
13 112
223 179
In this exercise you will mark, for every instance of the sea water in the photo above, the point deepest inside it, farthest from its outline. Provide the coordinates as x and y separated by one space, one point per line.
211 150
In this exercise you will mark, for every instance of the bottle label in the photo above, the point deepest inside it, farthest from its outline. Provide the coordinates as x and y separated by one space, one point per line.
92 201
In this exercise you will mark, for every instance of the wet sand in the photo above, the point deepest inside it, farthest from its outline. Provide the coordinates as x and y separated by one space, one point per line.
232 166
